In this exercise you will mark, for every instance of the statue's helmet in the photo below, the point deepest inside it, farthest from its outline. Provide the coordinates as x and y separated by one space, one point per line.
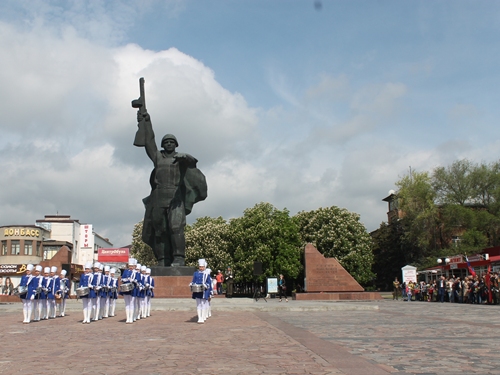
170 136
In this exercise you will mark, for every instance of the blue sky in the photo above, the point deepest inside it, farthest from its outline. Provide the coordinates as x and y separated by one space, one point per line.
281 101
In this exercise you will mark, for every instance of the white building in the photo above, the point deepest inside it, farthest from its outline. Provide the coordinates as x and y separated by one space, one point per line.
85 241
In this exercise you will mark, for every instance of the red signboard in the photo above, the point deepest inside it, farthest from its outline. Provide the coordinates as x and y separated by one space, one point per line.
114 255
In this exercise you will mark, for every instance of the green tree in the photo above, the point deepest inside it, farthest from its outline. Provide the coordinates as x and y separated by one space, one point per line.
388 254
421 236
139 250
268 235
337 233
210 239
453 184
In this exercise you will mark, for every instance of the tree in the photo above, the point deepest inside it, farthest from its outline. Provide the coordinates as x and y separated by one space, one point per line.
338 233
267 235
210 239
454 183
388 254
139 250
420 220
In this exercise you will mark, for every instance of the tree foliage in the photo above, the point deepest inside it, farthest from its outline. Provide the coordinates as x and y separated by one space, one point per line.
139 250
210 239
337 233
267 235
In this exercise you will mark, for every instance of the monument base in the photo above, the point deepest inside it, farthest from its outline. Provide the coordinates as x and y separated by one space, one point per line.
172 271
337 296
173 286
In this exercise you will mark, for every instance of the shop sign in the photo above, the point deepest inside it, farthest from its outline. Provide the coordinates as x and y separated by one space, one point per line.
21 232
114 255
12 269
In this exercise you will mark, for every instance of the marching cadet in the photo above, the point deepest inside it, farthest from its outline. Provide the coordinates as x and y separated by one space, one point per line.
44 293
35 291
105 292
208 310
113 293
64 292
25 297
200 278
142 294
94 292
137 292
86 282
128 277
150 284
53 289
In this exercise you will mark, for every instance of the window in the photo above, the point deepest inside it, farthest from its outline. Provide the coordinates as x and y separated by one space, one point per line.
28 247
4 247
15 247
37 249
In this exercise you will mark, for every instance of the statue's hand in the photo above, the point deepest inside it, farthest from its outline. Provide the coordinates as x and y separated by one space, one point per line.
180 156
143 116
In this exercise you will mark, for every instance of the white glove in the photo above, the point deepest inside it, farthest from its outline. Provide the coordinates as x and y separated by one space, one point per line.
32 298
147 285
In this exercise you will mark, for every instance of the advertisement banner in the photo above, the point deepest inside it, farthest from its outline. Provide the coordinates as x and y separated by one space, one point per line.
113 255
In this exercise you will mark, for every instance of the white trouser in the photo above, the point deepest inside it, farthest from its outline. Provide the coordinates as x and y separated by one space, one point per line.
137 308
199 309
27 307
62 307
102 304
148 306
112 307
87 309
106 307
129 307
96 304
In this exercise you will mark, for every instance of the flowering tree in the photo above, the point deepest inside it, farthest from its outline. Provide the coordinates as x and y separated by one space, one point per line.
337 233
210 239
267 235
139 250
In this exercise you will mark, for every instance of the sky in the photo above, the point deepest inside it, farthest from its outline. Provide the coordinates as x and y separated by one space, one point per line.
302 104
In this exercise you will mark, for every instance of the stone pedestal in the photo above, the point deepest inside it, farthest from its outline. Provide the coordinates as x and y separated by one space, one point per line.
173 286
172 271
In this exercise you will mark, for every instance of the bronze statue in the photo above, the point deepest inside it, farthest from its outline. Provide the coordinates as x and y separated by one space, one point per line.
176 184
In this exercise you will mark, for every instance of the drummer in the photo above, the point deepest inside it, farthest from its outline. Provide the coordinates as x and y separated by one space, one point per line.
25 297
34 292
128 277
200 278
53 288
113 295
44 293
95 291
63 290
86 282
106 282
142 294
208 301
150 284
139 286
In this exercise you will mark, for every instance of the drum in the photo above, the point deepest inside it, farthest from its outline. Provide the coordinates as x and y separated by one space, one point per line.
21 289
197 288
82 291
126 287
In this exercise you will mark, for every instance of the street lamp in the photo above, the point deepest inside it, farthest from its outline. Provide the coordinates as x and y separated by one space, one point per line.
441 261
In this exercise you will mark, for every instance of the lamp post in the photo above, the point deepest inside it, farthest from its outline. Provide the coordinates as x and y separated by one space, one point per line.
441 261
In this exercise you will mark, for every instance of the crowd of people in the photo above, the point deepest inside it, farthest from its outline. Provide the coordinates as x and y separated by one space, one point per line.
473 289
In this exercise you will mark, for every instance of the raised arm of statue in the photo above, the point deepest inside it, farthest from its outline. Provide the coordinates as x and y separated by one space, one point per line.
148 135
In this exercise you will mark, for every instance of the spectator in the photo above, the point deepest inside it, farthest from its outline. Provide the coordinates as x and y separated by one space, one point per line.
229 282
282 288
396 285
441 288
220 279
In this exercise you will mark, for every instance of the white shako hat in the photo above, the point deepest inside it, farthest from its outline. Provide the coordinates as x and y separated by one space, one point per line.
132 261
30 267
38 268
138 266
143 268
88 265
202 262
63 272
53 269
112 270
46 270
148 271
101 266
106 268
